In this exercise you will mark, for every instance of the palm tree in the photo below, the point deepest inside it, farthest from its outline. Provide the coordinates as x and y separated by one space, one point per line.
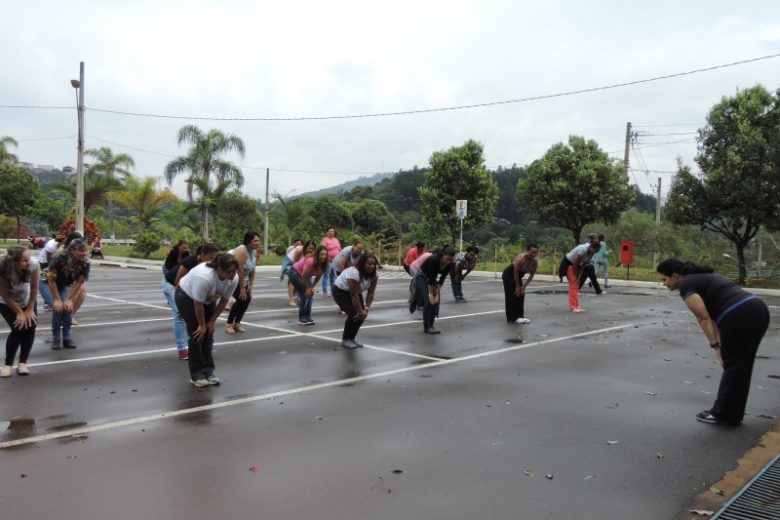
5 155
113 167
96 188
140 196
204 157
209 197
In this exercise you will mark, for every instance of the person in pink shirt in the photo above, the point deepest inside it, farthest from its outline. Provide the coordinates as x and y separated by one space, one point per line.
333 245
301 275
415 300
412 255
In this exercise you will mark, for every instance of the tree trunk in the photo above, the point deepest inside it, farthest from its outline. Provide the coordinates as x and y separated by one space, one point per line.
576 233
18 228
206 223
741 262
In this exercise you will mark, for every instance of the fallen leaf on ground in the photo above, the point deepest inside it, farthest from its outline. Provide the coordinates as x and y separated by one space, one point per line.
255 469
701 512
549 476
715 490
651 393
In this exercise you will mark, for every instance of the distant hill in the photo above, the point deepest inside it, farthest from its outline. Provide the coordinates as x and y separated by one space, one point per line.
48 177
347 186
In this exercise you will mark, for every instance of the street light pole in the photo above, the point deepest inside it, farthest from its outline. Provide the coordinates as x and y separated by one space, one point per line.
79 86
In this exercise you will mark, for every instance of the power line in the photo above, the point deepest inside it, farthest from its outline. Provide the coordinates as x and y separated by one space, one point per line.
643 134
443 109
666 126
664 143
37 107
45 139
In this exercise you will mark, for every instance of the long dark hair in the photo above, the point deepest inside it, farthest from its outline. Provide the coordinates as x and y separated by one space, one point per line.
361 262
672 266
11 274
223 261
173 254
322 265
206 248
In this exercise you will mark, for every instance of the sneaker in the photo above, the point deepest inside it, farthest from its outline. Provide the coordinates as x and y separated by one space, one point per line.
302 322
56 344
346 343
184 354
199 383
229 328
522 321
310 321
292 303
706 416
578 309
66 343
432 331
6 371
213 380
73 322
238 328
22 369
357 343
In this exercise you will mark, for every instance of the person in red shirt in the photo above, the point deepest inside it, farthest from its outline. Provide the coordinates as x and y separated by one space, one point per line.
412 255
333 245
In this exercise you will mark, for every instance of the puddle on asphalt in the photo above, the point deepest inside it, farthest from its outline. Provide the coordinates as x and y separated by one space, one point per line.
514 341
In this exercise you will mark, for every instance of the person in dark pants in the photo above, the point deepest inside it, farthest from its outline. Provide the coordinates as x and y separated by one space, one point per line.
196 299
348 294
733 321
462 262
19 277
247 255
428 282
514 288
588 272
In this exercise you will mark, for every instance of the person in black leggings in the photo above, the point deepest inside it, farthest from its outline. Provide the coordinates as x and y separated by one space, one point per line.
19 276
733 321
348 294
514 288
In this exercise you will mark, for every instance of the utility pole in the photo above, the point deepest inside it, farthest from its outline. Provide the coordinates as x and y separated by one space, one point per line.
267 209
628 146
657 219
79 86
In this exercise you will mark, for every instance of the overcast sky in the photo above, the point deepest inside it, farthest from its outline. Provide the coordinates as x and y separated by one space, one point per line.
317 58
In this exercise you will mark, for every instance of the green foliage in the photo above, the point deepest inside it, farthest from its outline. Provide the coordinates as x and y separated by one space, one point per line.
458 174
373 217
49 209
143 199
328 212
7 225
235 215
5 155
18 191
574 185
147 242
739 156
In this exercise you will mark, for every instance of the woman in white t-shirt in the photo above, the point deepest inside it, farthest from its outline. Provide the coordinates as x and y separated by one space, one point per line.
19 276
201 296
348 294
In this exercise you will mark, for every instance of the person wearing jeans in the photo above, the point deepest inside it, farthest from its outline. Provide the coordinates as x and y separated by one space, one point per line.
172 262
19 276
301 275
428 282
348 294
601 259
66 276
196 299
333 245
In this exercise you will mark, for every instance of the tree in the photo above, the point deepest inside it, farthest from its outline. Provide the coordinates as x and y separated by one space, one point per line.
328 212
7 225
459 173
204 158
5 155
235 215
574 185
739 157
97 187
209 198
143 199
49 210
18 192
373 218
112 166
147 242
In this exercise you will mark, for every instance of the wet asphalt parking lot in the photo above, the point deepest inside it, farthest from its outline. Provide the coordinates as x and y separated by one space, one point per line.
586 416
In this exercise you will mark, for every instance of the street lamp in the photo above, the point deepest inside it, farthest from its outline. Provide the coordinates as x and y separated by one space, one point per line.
78 84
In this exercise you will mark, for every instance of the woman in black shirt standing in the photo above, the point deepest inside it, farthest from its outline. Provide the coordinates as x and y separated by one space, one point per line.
177 253
429 287
734 322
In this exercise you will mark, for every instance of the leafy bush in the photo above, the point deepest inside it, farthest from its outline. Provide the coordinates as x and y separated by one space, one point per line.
147 242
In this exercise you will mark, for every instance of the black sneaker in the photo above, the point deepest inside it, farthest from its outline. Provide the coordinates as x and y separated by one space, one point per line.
56 344
706 416
310 321
66 343
432 331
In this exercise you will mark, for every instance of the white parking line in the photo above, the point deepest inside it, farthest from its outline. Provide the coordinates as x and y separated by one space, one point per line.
298 390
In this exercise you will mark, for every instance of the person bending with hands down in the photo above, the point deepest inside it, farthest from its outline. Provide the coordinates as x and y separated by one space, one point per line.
19 276
514 288
348 294
304 275
733 321
66 275
428 281
201 296
247 255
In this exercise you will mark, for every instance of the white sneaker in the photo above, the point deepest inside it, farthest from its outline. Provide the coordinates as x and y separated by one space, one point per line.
522 321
